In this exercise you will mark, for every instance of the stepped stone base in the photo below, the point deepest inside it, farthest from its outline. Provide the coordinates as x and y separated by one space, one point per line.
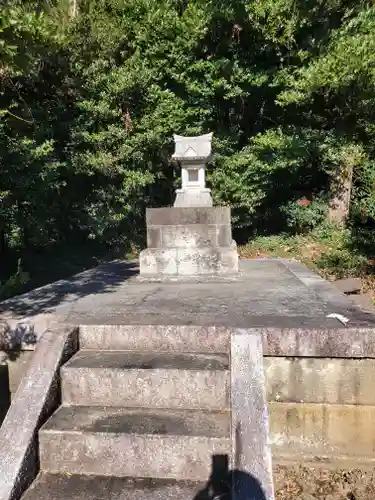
189 242
189 262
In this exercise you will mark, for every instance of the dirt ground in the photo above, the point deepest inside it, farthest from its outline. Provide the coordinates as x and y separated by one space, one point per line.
303 483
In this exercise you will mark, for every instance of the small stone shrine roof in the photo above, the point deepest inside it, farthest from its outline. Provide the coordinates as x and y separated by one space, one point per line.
194 148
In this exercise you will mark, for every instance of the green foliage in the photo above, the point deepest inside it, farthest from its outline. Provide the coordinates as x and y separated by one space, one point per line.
363 205
327 249
91 92
263 181
301 218
342 263
15 283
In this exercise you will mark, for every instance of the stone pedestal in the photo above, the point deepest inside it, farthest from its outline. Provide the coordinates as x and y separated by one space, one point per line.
187 241
193 198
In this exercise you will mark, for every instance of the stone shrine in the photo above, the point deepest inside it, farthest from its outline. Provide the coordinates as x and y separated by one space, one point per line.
193 153
191 238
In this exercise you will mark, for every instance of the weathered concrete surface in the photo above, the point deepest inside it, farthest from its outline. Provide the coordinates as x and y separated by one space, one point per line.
122 360
193 198
183 216
36 398
250 428
159 338
13 366
133 444
364 301
189 261
17 367
341 342
283 298
187 247
286 304
277 294
287 301
349 342
277 342
322 432
349 285
213 424
320 380
164 230
116 378
77 487
198 235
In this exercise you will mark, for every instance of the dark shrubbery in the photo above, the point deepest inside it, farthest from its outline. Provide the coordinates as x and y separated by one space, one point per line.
89 101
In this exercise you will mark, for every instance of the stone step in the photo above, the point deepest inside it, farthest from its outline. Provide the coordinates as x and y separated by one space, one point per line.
79 487
156 338
139 379
123 442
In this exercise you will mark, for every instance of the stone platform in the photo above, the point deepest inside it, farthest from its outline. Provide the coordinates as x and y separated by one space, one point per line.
232 343
272 293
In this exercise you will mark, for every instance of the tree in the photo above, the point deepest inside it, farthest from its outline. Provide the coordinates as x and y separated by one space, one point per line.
92 92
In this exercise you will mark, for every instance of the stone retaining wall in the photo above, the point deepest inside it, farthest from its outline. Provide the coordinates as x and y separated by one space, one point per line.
321 396
320 390
36 399
322 409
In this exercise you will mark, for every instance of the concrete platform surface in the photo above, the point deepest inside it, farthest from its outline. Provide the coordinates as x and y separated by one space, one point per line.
139 421
265 293
63 487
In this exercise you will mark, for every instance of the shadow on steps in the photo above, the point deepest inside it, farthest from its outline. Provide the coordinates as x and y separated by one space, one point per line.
224 484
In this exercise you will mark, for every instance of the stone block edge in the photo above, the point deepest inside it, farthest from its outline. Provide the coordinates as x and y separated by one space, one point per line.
344 342
37 397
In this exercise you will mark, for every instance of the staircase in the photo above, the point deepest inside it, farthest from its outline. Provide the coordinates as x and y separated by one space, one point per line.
144 412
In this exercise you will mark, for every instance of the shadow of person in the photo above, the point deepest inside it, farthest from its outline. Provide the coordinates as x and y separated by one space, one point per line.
225 484
246 487
219 485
